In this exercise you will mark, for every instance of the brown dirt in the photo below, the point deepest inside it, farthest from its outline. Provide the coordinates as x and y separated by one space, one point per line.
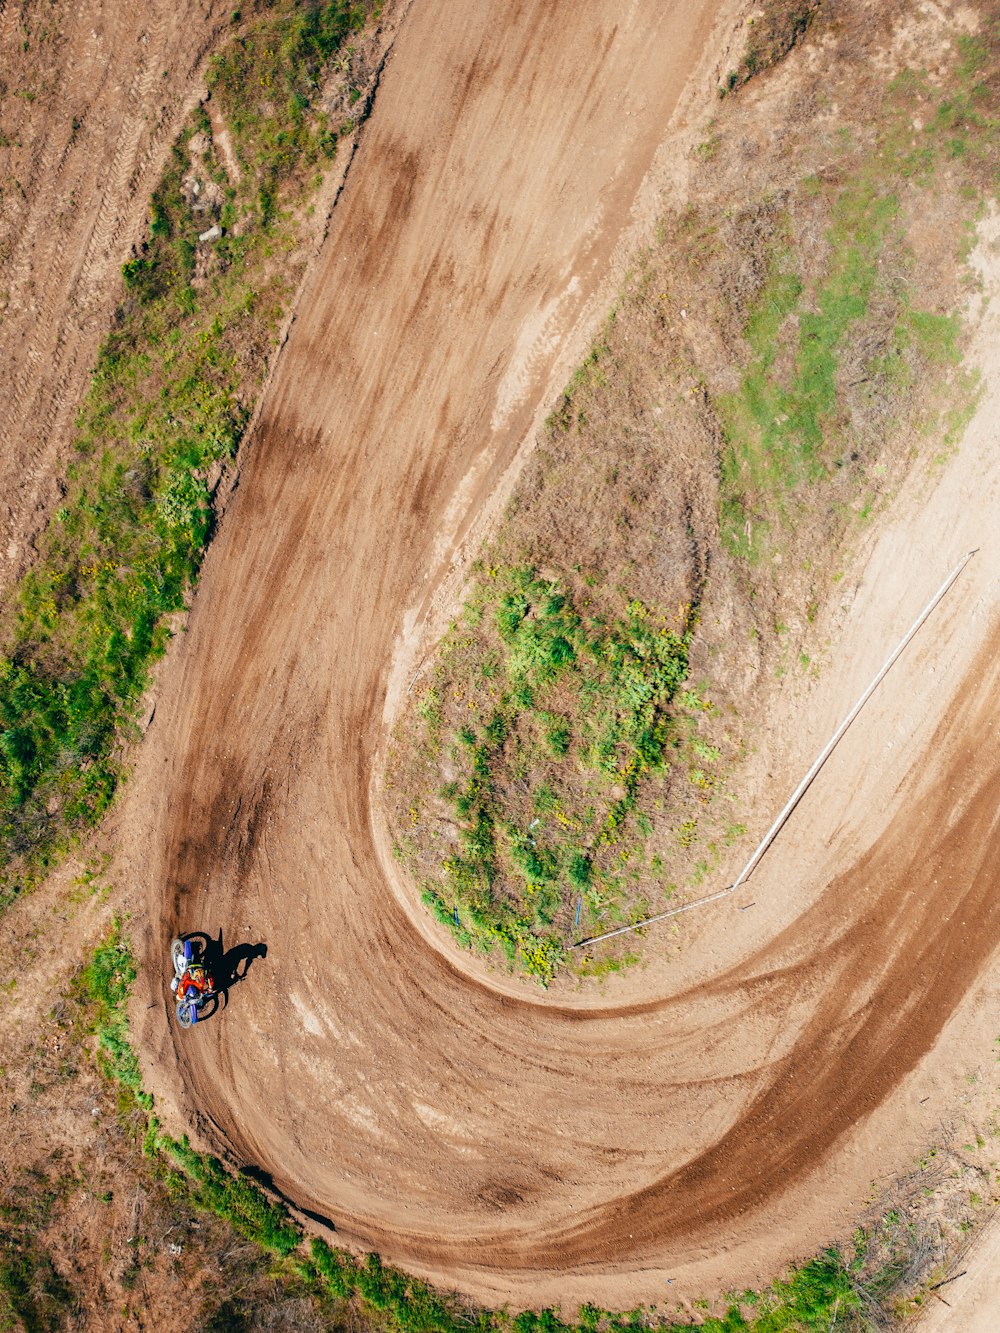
701 1124
970 1302
91 97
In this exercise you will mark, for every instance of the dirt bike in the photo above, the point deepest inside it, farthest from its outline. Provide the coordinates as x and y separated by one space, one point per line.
186 953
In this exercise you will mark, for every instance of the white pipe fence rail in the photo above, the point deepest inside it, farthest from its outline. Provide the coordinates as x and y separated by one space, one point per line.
804 785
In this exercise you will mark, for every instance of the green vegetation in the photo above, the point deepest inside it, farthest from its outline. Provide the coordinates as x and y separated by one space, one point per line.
782 436
236 1198
814 1294
834 352
33 1295
103 987
560 706
277 133
170 398
388 1297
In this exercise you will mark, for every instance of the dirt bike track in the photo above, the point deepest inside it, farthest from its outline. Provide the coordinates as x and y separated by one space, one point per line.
704 1119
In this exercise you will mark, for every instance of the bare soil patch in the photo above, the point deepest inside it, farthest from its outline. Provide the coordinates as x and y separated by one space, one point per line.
91 102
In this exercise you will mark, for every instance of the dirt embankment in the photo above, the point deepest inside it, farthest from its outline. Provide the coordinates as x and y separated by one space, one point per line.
520 1148
90 101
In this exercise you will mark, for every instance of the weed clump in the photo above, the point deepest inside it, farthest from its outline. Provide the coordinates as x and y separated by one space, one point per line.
547 751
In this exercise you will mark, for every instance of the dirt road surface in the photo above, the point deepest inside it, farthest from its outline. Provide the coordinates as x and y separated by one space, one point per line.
970 1304
93 97
706 1119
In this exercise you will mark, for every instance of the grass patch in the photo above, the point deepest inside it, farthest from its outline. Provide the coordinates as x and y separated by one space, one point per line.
103 987
34 1295
237 1199
277 131
784 435
171 395
837 336
560 706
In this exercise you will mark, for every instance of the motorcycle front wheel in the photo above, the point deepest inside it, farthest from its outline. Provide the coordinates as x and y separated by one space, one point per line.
178 956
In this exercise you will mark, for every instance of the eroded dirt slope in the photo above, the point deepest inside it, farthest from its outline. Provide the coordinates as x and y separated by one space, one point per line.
90 99
519 1146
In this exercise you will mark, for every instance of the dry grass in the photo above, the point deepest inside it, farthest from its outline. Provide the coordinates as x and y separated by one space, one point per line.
774 30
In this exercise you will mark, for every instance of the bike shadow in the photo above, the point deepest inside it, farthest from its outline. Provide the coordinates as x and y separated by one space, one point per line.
227 967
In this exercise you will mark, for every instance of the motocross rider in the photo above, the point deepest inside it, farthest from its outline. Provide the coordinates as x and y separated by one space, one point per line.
195 983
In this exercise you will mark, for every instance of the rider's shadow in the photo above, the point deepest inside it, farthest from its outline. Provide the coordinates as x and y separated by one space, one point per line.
228 967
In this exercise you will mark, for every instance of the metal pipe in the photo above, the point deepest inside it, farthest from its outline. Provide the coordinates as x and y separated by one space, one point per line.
803 786
837 736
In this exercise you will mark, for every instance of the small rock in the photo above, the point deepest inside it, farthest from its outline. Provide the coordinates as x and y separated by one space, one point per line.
212 234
